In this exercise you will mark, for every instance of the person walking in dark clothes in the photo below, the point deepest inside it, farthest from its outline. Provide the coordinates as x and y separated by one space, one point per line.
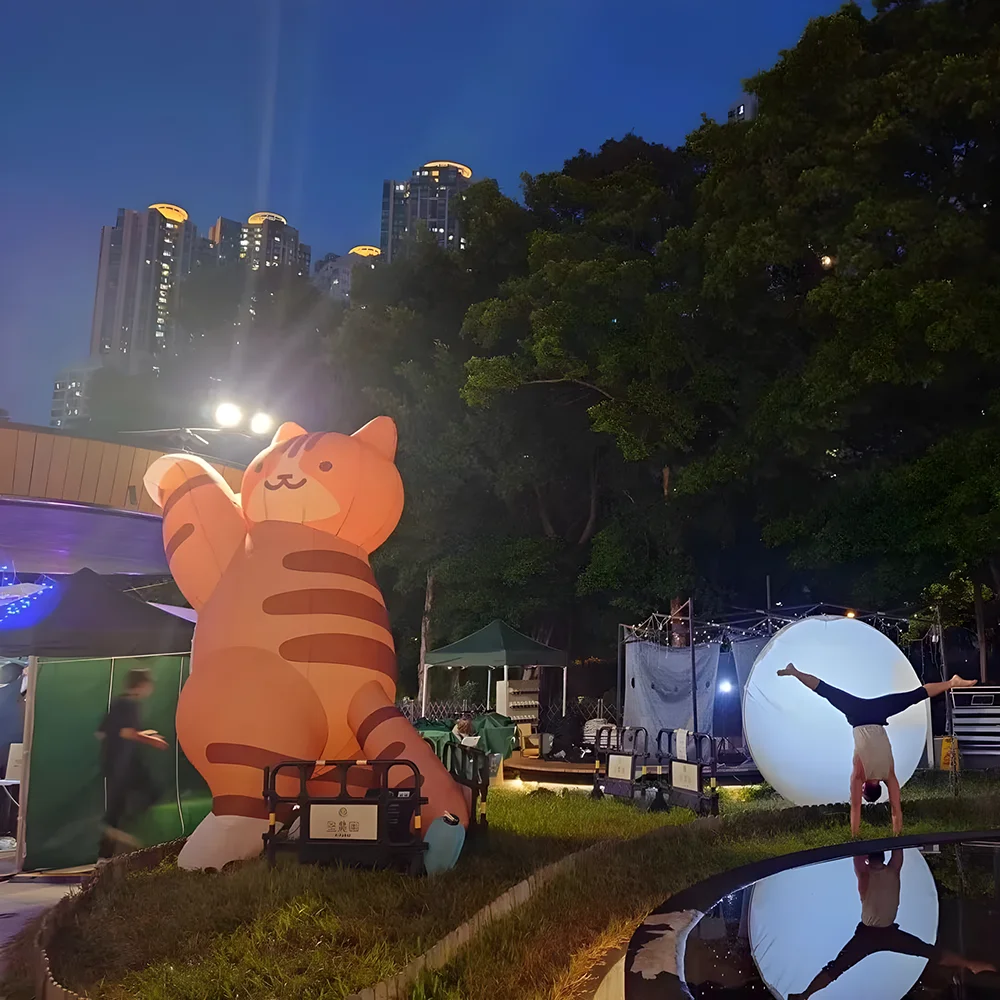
131 789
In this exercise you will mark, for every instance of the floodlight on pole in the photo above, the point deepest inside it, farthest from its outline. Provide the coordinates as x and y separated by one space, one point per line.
261 423
228 415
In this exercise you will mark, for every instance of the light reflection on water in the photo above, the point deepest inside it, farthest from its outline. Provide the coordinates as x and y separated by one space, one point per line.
884 927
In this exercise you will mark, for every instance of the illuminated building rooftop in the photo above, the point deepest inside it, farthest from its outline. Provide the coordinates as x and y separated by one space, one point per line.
465 171
174 213
261 217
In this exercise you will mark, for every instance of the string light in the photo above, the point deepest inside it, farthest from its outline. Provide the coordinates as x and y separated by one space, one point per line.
23 610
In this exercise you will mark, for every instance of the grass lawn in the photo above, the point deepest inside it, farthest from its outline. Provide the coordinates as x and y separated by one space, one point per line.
540 952
311 932
322 934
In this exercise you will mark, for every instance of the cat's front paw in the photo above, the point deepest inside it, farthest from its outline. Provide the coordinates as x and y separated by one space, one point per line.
445 838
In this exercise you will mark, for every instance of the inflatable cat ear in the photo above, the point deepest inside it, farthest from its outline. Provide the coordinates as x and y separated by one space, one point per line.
381 435
287 431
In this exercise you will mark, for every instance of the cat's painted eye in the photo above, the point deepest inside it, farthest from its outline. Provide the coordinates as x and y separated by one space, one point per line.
258 467
325 466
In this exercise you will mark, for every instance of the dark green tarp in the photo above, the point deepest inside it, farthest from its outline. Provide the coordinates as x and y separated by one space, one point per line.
496 645
65 788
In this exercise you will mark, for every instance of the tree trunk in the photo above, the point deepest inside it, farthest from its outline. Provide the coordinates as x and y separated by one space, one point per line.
588 528
543 515
679 623
425 631
666 481
977 595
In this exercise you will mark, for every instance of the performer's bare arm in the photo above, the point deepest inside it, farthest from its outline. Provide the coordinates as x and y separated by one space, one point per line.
857 788
895 804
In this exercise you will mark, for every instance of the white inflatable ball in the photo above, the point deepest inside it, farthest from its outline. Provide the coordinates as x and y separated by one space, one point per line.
801 918
801 744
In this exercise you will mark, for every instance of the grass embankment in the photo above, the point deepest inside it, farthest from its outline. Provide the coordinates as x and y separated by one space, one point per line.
305 931
548 947
322 934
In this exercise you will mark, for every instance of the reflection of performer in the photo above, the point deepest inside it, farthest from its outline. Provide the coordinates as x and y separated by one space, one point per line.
878 886
873 762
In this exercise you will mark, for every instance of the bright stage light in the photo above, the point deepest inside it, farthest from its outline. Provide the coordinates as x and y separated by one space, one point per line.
261 423
801 918
228 415
725 687
802 745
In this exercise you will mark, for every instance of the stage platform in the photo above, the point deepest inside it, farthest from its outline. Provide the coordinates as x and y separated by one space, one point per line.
569 773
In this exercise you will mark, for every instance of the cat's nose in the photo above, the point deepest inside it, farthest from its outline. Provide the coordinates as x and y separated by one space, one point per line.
285 475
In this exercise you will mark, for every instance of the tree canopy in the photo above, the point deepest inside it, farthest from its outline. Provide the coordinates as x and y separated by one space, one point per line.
667 371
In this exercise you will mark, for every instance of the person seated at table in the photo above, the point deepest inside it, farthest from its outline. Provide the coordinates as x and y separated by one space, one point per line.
466 732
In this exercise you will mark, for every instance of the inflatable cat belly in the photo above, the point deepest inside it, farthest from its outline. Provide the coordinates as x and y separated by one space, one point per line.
292 656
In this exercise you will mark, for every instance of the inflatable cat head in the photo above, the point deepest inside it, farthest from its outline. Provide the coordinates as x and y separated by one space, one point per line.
343 485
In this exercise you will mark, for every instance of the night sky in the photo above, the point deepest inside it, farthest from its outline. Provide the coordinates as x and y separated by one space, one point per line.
227 107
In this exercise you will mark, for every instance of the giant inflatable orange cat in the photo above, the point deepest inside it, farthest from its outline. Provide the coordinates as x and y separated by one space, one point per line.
292 656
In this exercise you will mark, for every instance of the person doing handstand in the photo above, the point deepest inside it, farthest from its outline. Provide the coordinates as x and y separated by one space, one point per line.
878 887
873 761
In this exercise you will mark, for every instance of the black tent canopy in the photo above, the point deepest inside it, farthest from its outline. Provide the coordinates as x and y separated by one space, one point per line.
90 619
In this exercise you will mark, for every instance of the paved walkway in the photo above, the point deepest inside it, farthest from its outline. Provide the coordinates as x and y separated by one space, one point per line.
23 900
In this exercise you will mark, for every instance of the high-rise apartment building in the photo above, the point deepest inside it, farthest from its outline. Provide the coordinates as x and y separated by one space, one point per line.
144 256
72 393
744 110
268 240
333 272
430 198
226 236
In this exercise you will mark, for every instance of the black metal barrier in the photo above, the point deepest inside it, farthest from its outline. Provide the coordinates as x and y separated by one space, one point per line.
616 759
690 782
470 767
379 829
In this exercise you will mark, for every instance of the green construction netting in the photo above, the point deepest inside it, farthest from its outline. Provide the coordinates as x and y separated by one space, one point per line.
65 790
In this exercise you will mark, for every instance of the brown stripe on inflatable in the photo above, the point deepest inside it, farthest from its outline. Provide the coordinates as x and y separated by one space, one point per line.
296 445
239 805
246 756
374 720
333 647
184 489
178 538
327 601
314 439
328 561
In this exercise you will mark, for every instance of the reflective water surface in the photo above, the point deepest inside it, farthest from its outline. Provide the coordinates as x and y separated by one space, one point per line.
914 923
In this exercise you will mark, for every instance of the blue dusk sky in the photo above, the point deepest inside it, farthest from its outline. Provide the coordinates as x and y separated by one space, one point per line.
302 107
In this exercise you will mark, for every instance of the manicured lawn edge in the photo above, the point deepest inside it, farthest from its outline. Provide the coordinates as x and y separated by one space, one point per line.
398 987
46 987
594 955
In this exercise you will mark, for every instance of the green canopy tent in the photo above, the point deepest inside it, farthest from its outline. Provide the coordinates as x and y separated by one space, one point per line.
496 645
